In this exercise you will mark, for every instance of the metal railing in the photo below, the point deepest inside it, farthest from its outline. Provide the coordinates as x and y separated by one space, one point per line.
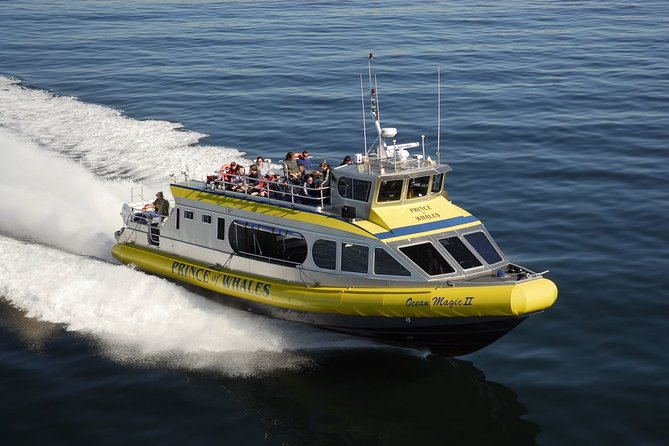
282 190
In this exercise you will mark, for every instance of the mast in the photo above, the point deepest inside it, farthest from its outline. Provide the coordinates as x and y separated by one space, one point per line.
376 113
364 125
438 112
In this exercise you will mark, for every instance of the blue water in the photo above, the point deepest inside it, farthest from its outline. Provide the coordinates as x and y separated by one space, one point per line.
555 118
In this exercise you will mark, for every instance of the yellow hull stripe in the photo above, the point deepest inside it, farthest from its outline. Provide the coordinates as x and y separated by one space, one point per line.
493 300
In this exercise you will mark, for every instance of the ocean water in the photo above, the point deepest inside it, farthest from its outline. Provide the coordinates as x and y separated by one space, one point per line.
554 116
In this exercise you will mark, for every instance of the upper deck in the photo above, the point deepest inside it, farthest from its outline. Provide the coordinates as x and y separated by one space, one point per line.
387 200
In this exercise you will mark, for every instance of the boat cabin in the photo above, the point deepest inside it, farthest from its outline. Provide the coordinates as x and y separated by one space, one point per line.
372 184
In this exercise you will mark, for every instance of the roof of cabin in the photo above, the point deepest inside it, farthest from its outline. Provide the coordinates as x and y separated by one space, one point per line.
390 170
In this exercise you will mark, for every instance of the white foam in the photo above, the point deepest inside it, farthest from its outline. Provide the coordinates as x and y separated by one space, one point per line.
136 316
104 140
54 201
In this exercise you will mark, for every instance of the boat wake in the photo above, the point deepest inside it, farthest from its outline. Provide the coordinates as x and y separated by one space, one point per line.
106 142
57 218
51 200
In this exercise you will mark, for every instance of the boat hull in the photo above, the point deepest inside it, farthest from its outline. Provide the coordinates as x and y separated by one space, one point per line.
449 336
451 320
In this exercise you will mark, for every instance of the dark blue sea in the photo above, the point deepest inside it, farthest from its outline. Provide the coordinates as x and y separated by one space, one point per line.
554 116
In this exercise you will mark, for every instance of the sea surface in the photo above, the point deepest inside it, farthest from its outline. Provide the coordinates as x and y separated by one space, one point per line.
554 116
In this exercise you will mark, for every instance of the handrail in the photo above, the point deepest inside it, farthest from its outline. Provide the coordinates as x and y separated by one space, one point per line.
281 190
137 215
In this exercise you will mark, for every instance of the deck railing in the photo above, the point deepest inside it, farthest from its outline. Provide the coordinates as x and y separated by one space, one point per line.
276 190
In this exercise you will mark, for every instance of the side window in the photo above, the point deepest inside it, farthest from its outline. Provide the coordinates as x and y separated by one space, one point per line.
353 189
188 215
178 218
206 219
426 256
361 190
385 264
483 246
437 183
418 187
324 254
344 187
220 229
354 258
390 191
267 243
456 248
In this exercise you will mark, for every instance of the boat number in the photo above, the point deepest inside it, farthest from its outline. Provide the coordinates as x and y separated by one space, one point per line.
408 320
227 210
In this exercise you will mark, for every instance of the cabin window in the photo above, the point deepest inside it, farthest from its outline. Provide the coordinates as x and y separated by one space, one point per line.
426 256
324 254
353 188
386 265
178 218
220 229
354 258
188 215
267 243
456 248
437 183
483 246
390 190
206 219
418 187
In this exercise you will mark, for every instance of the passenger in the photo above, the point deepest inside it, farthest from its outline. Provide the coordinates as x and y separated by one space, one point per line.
304 159
224 174
290 164
347 160
254 175
296 182
238 180
301 176
277 187
262 167
261 187
311 192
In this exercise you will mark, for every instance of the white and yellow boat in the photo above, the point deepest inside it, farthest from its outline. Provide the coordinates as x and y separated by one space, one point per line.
386 256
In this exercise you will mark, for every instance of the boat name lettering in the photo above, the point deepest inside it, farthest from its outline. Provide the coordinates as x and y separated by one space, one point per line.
425 213
440 301
246 285
416 303
190 271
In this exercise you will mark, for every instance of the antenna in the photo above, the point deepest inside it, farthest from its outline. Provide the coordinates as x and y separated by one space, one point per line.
376 113
438 113
364 127
422 138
